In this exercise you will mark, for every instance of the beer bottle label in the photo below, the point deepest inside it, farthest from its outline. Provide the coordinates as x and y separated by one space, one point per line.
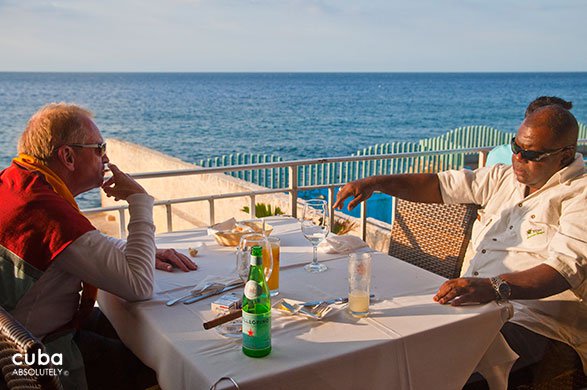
253 290
256 330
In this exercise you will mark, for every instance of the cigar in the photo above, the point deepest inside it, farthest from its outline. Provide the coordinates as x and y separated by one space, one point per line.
233 315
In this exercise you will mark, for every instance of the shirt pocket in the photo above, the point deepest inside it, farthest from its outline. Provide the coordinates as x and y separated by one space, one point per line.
535 236
481 226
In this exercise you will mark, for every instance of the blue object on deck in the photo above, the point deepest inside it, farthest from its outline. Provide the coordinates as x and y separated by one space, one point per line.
501 154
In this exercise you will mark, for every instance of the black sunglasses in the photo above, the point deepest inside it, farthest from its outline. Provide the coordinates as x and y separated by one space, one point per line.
534 155
101 147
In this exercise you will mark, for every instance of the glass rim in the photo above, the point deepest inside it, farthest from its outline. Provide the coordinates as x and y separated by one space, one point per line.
315 201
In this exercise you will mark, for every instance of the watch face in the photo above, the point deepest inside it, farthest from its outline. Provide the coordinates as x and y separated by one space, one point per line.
504 290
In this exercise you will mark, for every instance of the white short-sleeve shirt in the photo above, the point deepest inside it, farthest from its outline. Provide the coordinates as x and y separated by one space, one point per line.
514 232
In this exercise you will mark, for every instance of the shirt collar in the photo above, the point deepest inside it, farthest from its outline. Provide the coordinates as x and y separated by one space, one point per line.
571 171
568 173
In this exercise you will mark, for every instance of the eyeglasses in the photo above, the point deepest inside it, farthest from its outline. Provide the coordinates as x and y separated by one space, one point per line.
534 155
101 147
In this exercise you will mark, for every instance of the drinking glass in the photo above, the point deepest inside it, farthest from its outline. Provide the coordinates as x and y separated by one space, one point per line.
243 255
359 283
273 280
315 226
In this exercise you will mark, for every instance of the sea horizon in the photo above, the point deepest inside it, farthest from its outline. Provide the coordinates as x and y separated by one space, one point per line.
293 115
292 72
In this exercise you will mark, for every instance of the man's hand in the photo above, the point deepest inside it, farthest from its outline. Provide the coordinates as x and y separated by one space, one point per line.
465 290
121 185
360 189
166 259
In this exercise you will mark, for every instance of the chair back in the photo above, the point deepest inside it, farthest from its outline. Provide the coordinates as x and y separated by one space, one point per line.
432 236
15 338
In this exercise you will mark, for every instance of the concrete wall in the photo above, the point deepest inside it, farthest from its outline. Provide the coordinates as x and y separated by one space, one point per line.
133 158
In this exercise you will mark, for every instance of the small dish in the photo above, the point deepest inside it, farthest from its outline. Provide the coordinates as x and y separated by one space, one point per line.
232 329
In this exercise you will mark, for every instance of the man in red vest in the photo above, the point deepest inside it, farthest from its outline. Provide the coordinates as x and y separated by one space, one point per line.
49 251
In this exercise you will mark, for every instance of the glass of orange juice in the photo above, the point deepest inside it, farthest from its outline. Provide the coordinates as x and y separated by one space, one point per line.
273 282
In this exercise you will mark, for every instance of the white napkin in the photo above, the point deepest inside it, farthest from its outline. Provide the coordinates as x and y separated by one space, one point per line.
229 224
341 244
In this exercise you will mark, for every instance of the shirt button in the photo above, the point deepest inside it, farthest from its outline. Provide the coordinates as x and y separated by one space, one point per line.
483 251
511 227
532 216
519 205
476 273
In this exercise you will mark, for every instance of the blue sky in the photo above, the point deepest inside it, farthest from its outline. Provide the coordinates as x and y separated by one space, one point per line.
293 35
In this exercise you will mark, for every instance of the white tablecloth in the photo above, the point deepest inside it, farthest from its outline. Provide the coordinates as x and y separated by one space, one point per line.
407 342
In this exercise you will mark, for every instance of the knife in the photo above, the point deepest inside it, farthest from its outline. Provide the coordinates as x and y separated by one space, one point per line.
213 292
330 301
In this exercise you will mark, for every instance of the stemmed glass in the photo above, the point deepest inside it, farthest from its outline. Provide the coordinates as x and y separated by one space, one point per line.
315 226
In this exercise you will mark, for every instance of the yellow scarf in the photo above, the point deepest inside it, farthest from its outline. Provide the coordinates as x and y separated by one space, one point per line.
89 292
32 164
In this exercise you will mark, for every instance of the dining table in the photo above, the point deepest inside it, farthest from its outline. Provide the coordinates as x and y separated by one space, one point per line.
407 341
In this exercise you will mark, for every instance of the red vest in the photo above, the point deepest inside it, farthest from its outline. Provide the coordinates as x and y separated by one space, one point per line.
36 223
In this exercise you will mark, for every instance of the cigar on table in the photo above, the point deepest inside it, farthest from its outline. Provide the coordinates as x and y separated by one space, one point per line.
233 315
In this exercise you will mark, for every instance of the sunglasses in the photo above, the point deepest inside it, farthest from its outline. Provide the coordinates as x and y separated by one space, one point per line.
533 155
101 147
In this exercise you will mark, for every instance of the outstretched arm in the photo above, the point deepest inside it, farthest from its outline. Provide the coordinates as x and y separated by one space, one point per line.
421 187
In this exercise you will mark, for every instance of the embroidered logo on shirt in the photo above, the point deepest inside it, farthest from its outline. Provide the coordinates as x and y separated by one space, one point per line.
533 232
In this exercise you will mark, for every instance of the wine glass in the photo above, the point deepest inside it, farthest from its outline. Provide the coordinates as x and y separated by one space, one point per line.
315 226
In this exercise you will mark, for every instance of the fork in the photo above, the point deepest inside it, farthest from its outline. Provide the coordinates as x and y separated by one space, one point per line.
207 287
315 312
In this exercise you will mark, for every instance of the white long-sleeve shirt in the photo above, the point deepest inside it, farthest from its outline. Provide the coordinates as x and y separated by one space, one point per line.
124 269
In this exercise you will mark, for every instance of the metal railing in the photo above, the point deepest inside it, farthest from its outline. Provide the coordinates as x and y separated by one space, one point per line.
292 189
461 137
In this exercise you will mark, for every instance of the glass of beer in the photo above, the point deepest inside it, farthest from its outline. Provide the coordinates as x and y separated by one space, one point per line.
273 281
359 283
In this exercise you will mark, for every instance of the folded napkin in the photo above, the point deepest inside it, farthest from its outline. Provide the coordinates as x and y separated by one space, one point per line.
229 224
341 244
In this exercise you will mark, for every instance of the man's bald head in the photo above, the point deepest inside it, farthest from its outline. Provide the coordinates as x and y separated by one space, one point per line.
559 122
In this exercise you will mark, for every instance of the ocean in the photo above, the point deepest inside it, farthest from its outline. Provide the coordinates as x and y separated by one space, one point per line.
294 115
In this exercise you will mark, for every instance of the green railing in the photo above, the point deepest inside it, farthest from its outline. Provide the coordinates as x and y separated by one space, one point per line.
342 172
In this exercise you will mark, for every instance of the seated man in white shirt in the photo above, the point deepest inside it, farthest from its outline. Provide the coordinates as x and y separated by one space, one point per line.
530 241
48 249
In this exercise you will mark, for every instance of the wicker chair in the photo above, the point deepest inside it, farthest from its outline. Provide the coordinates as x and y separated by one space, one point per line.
15 338
432 236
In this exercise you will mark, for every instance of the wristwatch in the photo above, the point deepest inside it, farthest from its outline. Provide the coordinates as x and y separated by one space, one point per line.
501 287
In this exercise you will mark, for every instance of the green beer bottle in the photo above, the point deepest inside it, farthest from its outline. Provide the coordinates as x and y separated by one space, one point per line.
256 309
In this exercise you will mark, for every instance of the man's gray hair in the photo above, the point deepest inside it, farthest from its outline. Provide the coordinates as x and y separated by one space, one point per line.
54 125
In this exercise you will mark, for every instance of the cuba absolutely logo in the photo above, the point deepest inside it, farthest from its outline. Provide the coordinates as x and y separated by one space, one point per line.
40 359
